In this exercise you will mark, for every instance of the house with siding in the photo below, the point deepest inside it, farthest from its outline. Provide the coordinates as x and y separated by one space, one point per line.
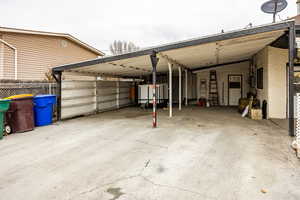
29 54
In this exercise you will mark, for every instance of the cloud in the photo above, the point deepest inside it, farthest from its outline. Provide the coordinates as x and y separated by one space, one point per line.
144 22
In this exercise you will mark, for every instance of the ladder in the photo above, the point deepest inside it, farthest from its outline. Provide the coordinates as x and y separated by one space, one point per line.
213 88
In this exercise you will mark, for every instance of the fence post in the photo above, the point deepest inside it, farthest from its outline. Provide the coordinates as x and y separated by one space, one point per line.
118 93
50 91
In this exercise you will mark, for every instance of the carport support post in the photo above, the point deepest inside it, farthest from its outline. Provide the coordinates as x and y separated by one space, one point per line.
59 96
170 91
186 87
179 78
291 79
154 61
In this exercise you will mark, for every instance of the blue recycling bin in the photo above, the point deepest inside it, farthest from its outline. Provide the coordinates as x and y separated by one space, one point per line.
43 109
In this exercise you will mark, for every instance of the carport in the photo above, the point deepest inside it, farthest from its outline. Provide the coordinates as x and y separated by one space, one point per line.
185 57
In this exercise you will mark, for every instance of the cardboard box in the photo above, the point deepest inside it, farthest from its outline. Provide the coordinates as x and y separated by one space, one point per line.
256 114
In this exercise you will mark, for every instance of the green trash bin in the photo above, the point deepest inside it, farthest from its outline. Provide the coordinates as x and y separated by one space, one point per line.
4 105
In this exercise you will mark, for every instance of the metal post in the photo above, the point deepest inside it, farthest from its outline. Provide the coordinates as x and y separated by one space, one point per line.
179 69
186 87
50 89
170 91
154 61
291 79
59 96
96 94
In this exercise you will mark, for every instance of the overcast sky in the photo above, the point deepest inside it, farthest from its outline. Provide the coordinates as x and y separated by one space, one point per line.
144 22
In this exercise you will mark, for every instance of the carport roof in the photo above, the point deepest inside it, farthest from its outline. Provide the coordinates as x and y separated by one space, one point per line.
191 54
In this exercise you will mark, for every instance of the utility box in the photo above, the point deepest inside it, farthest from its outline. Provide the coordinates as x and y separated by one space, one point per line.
145 95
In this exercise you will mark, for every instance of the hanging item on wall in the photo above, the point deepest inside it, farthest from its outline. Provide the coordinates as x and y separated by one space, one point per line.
260 78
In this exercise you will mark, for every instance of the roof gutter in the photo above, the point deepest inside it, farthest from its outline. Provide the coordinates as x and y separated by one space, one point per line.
15 57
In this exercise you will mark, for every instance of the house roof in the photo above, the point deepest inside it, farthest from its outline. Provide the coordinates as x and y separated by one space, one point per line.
64 35
297 19
192 54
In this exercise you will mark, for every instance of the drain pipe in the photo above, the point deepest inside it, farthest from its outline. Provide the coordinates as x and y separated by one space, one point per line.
16 57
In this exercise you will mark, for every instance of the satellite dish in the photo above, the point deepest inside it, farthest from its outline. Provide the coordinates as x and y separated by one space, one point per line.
274 7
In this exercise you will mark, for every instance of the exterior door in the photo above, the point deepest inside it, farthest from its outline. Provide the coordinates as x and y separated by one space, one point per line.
235 89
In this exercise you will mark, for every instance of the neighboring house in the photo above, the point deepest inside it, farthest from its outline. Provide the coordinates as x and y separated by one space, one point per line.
29 55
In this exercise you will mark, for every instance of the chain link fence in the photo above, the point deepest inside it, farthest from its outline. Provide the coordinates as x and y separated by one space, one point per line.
12 87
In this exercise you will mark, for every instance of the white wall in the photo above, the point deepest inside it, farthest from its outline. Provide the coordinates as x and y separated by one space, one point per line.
277 83
261 61
273 61
222 76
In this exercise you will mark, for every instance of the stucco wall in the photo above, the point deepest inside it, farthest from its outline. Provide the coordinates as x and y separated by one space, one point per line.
222 76
273 61
277 83
261 61
36 54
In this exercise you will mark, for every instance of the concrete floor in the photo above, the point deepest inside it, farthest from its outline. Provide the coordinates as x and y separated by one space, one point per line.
199 154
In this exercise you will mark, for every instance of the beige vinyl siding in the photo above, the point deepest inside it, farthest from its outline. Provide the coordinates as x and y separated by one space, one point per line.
8 62
37 54
1 59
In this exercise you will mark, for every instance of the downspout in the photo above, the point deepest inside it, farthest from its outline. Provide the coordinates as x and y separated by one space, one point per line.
16 57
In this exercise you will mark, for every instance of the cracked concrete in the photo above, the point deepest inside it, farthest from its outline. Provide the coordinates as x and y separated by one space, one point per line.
199 154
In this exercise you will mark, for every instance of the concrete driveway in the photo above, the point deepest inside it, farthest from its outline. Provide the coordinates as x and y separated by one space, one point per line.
198 154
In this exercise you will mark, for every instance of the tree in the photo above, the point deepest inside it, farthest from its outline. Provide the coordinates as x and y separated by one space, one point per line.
120 47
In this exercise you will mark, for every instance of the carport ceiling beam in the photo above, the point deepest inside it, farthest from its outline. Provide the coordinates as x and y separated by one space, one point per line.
82 73
130 67
220 65
172 61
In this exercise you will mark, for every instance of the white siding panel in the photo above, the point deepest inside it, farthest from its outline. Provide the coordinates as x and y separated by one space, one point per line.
84 97
106 95
78 98
77 111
